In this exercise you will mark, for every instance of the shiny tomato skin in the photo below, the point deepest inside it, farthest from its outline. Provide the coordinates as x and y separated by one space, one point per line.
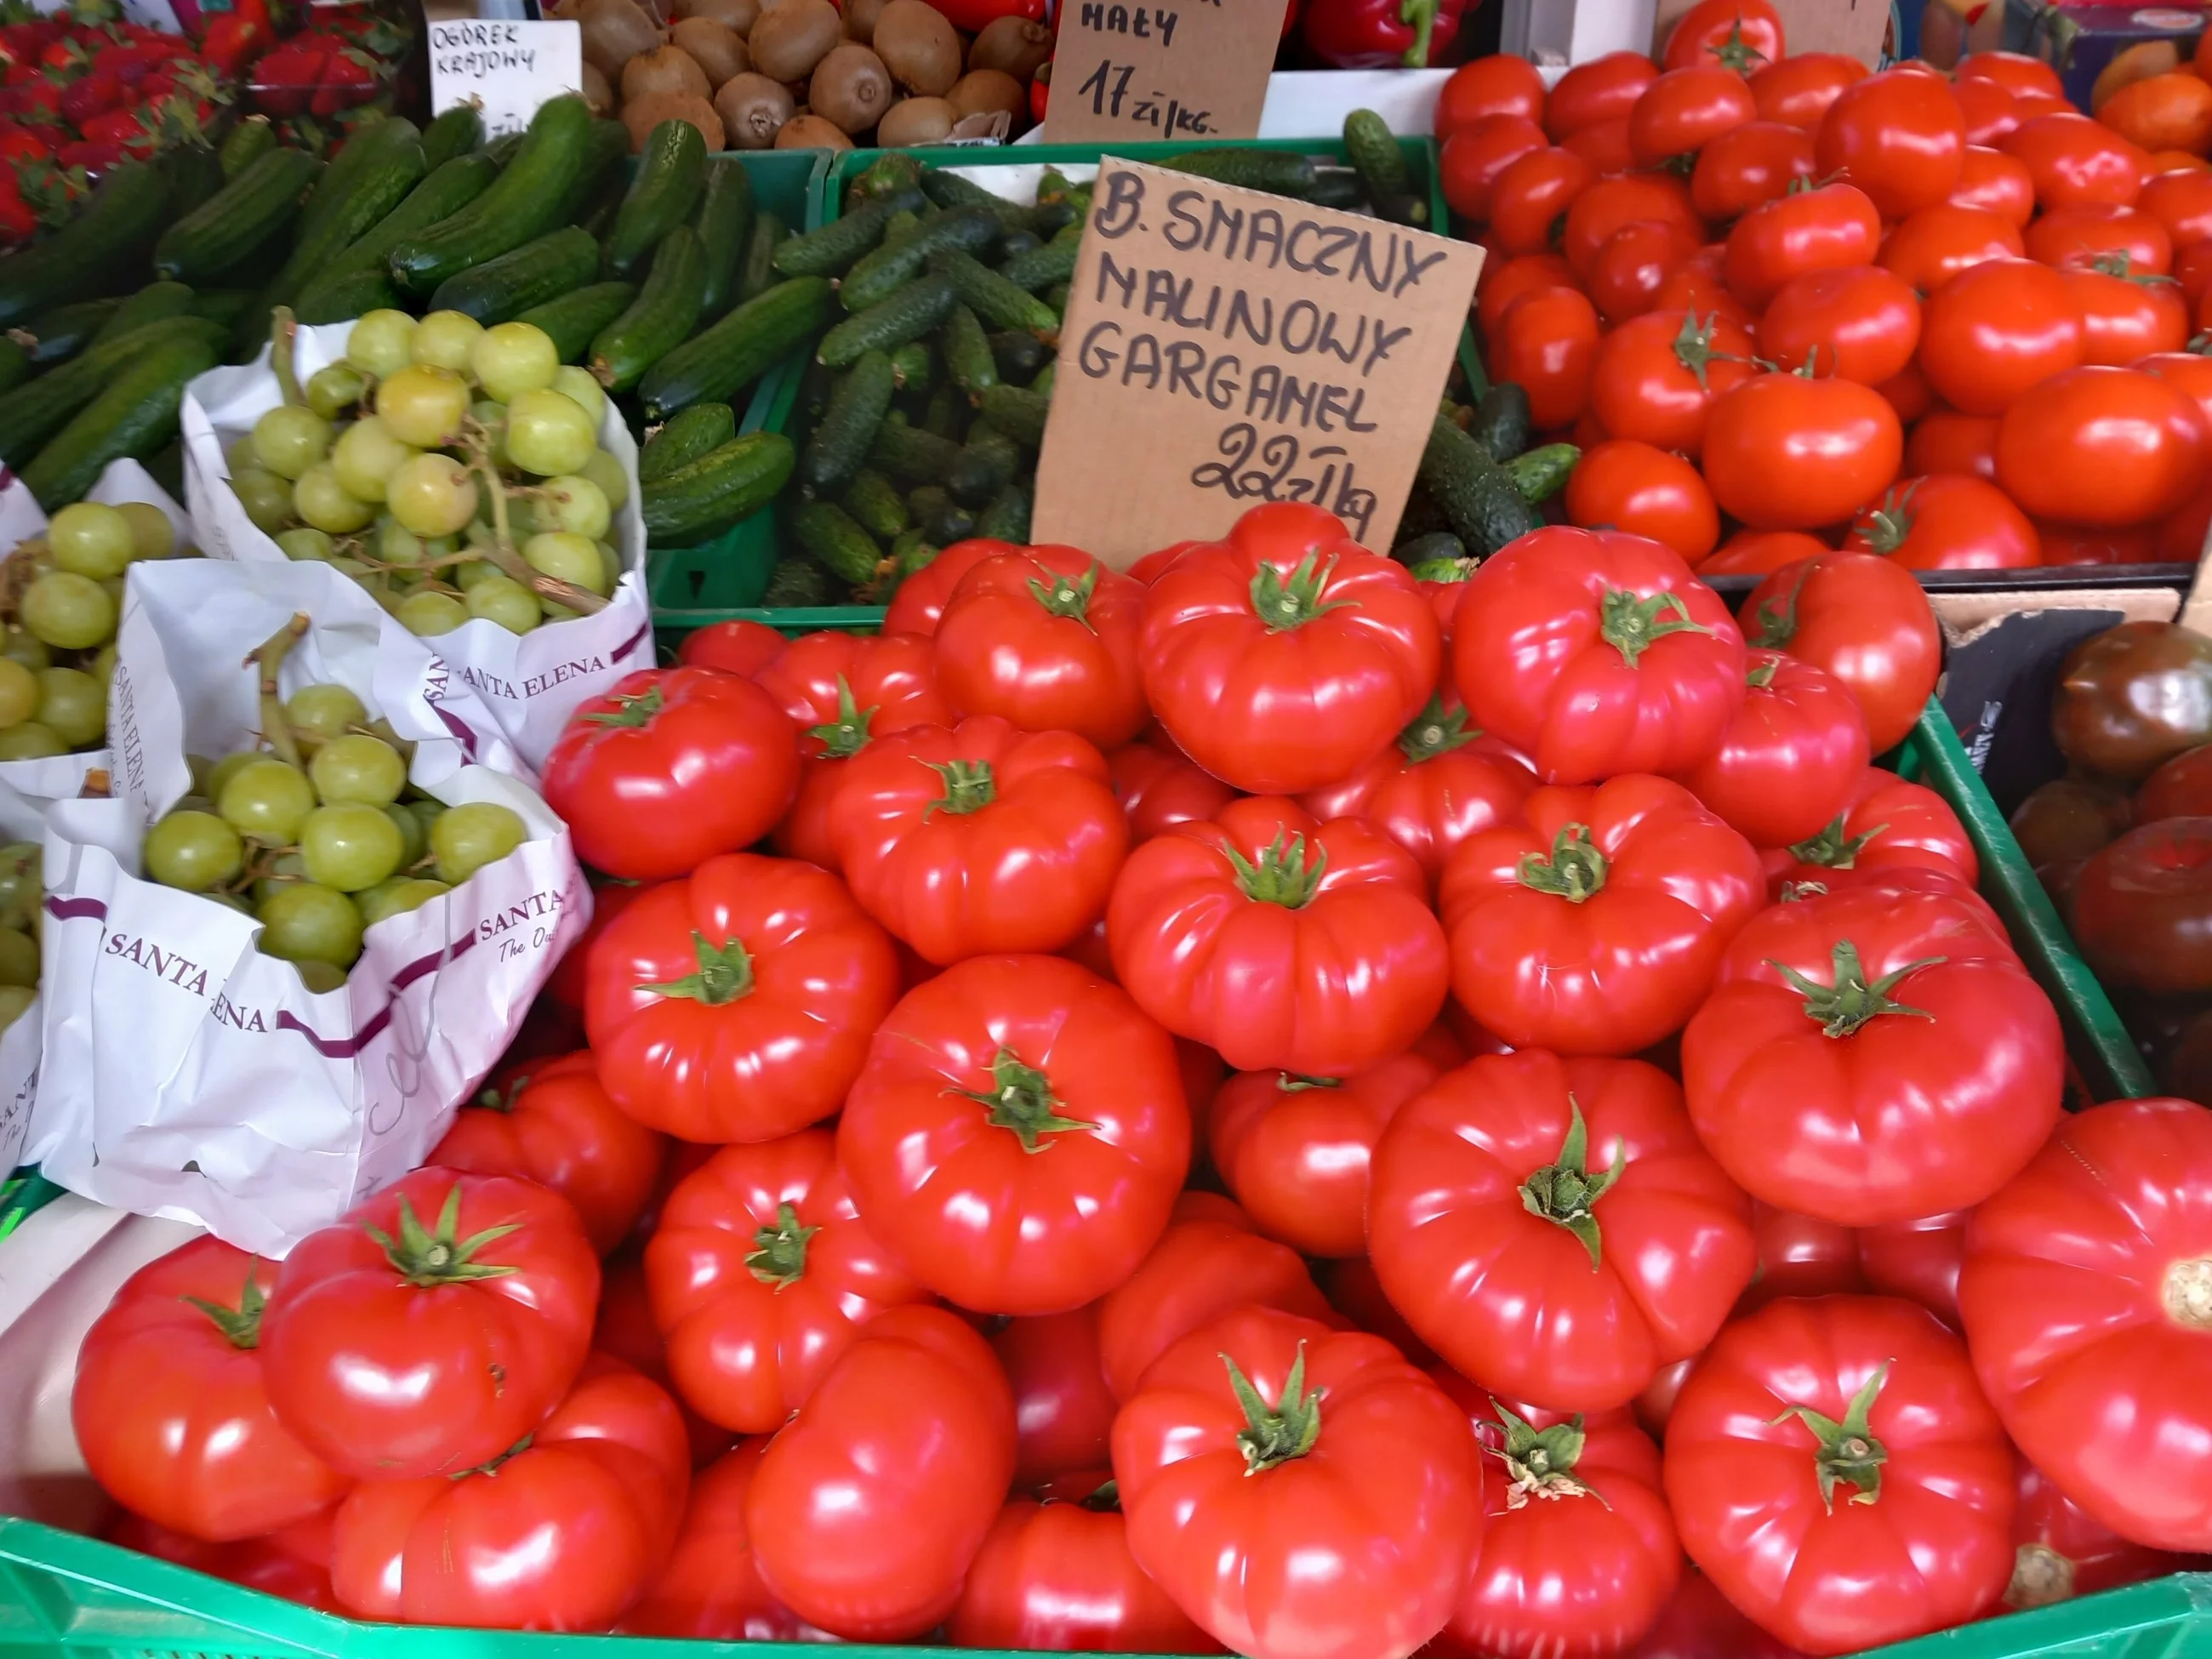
711 1589
1908 394
1790 760
1656 375
2062 1553
1159 788
2142 908
1624 279
388 1380
1686 109
1740 34
564 1534
626 1331
1905 1115
1598 212
1063 1409
2075 162
1605 146
1928 249
170 1409
1952 440
872 1502
1823 228
1537 659
1988 110
2123 319
1355 1292
1506 280
2015 71
669 767
1238 692
1798 91
1310 949
1918 1260
736 647
1059 1576
2101 446
1474 155
1529 197
920 599
1866 318
2080 544
1500 84
1052 1205
1045 638
1506 1292
293 1564
2132 698
1864 620
1749 165
2078 235
1784 452
1604 89
1756 552
2192 371
2081 1298
771 1047
1898 135
1634 488
1885 823
2182 205
1700 1623
1949 521
1934 1549
2181 789
1997 183
1353 1550
1996 330
1700 287
1547 344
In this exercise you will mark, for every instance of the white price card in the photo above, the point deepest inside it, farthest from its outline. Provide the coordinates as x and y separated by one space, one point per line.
505 66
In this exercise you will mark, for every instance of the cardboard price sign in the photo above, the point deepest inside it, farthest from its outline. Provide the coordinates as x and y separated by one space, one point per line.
1173 69
506 67
1224 348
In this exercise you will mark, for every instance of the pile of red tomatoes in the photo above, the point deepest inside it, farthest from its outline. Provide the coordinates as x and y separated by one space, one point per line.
1234 1104
1781 301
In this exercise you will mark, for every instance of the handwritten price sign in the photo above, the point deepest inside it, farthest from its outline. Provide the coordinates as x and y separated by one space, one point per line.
1193 68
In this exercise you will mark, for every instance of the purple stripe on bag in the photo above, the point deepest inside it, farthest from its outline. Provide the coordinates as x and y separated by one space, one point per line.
70 910
460 728
634 640
350 1047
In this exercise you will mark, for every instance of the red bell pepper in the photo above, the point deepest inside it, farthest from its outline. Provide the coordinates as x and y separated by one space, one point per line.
1383 33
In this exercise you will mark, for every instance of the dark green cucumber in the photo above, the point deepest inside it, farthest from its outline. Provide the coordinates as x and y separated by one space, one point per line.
1018 355
375 173
899 224
913 550
798 583
840 440
135 415
1485 509
911 455
893 170
724 220
1017 412
545 268
689 434
1372 149
879 274
721 488
522 204
1427 547
1014 243
148 305
596 192
1007 519
1046 265
57 336
457 132
221 305
950 191
712 365
1279 171
913 311
576 316
1541 474
1339 188
1056 298
996 302
1501 423
875 502
105 248
942 519
502 149
671 168
968 357
1042 385
337 299
249 141
246 213
14 364
832 250
661 316
913 366
835 541
444 191
34 414
757 271
988 462
945 414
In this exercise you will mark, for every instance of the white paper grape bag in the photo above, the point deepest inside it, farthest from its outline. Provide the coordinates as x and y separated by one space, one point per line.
531 683
187 1075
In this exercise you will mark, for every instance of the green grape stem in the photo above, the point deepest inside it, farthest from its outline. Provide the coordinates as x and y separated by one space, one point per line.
283 340
268 655
476 441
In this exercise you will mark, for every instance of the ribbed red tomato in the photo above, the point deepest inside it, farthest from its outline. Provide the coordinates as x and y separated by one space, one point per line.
1863 619
1883 823
1063 1409
1789 761
711 1590
1046 637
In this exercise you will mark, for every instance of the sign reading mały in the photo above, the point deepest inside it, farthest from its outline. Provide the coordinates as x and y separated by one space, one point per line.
505 66
1173 69
1222 348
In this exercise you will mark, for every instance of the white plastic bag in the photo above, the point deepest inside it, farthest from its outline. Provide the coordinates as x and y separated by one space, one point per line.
188 1075
531 682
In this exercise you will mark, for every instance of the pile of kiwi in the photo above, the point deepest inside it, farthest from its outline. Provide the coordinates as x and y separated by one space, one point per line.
802 74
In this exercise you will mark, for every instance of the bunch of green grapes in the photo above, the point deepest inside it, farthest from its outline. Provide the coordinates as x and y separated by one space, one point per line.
62 594
453 470
22 892
317 849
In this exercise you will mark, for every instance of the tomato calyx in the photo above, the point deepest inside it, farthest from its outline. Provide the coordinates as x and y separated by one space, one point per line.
1020 1098
1280 874
1067 596
1849 1453
2120 264
1565 1193
1631 624
726 973
1541 1462
1434 731
1776 623
1760 675
2187 1293
1852 1002
1736 52
1291 1083
969 787
491 1465
1106 1500
2040 1576
430 1259
1287 602
1888 525
1273 1436
1575 870
1796 893
240 1326
848 735
631 708
779 1255
1832 849
1694 348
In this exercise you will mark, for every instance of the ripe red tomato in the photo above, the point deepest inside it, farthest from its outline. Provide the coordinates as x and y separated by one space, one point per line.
2125 319
1898 135
1547 344
1918 1260
738 1005
1919 1064
1354 1291
1604 89
2190 370
1699 287
1626 276
1989 110
1798 91
1298 1490
711 1590
2181 202
1908 394
2060 1552
1866 622
2074 544
1799 1255
1046 639
1655 377
670 767
169 1406
293 1564
1749 164
433 1327
736 646
1279 941
1500 84
1866 318
1835 1471
1624 485
1596 653
2001 183
1952 440
1685 110
1593 926
1609 203
1885 824
1790 759
571 982
561 1533
1507 280
1529 197
762 1274
1700 1623
1996 330
2101 446
1936 243
2076 161
1756 552
2015 71
2080 235
1786 452
1824 228
625 1330
1018 1135
872 1502
1245 639
1605 146
1063 1410
1523 1202
1476 152
1159 788
1947 522
920 599
1738 35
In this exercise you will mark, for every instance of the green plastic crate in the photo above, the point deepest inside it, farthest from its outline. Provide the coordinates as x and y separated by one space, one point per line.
732 569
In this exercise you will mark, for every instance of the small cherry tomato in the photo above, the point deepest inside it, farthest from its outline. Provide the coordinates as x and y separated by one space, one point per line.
1624 279
1605 146
1797 91
1948 522
1823 228
1656 375
2079 236
1500 84
1474 156
1866 318
1785 452
1749 165
1935 244
1622 485
1604 89
1996 329
1507 280
1898 137
2075 161
1547 344
2101 446
1990 178
1530 198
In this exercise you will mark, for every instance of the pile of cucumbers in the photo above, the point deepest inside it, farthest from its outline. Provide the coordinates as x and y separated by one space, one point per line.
1480 481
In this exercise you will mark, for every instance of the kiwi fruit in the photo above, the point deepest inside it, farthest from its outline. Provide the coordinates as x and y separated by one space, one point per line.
1015 45
915 121
664 69
753 109
736 15
789 40
918 46
987 92
861 19
711 46
812 132
614 32
641 115
597 93
850 87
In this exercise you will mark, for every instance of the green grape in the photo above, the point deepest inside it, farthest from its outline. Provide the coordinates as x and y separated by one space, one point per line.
611 565
427 808
152 535
514 358
432 496
577 385
75 704
466 838
547 434
393 898
505 601
413 839
21 886
350 845
284 870
19 693
605 470
26 648
428 615
574 504
466 577
90 540
288 439
266 498
358 768
194 851
67 611
382 343
19 958
267 800
31 740
320 977
568 558
423 406
103 664
306 922
493 418
238 454
366 456
446 338
222 771
113 588
521 519
304 541
332 391
325 712
15 999
320 500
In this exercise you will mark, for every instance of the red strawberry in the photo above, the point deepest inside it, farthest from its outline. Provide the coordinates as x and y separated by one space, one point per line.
348 78
95 94
94 156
